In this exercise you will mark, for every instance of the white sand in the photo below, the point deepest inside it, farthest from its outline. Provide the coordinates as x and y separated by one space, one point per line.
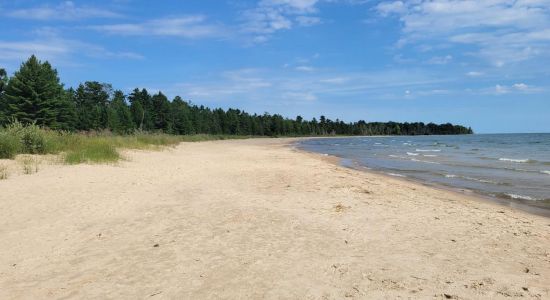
256 219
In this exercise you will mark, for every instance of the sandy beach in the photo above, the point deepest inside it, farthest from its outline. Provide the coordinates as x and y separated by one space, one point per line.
257 219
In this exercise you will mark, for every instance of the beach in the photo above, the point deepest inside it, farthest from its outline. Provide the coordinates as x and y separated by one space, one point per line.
257 219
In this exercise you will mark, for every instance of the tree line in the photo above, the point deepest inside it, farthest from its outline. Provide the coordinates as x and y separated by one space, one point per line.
34 94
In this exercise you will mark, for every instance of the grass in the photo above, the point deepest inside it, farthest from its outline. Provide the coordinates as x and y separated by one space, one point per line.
17 138
30 165
3 172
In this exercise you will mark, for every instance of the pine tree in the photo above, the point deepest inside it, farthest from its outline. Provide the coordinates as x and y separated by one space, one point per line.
3 106
181 116
119 115
141 108
92 100
34 94
161 114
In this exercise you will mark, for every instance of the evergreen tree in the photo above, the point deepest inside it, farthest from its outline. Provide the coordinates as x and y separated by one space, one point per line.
67 117
34 94
161 113
181 117
142 109
92 101
3 106
119 117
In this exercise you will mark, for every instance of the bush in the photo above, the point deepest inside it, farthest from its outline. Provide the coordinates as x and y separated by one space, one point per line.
10 145
32 139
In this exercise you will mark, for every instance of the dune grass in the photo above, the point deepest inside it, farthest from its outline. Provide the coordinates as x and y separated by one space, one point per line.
3 172
75 148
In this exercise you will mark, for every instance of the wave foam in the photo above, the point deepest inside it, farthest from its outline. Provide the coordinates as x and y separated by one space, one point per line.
412 154
396 175
522 197
425 161
514 160
545 172
428 150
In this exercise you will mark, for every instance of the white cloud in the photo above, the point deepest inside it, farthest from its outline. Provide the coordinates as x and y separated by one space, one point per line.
440 60
395 7
304 69
271 16
67 10
521 86
500 89
503 31
187 27
474 74
300 96
58 50
515 88
308 21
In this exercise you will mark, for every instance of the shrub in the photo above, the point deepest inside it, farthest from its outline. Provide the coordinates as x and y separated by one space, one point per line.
9 145
32 139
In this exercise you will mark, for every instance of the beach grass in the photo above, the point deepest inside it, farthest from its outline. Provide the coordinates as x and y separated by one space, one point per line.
3 172
76 148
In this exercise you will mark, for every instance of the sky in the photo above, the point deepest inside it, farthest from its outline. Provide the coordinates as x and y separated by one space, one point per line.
482 63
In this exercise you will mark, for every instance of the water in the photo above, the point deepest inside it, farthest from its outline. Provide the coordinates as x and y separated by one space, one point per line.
514 167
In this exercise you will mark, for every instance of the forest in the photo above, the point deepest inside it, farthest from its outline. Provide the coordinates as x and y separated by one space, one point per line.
35 95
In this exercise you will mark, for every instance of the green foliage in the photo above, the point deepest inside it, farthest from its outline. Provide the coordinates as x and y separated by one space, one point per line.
3 106
31 138
34 94
18 138
92 150
92 101
10 145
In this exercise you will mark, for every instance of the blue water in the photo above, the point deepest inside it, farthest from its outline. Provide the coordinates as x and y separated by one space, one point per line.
506 166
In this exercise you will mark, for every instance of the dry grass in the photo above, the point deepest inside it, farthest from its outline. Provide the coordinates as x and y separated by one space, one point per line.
3 172
30 164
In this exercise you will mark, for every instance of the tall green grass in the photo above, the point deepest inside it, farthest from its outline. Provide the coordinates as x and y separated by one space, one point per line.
17 138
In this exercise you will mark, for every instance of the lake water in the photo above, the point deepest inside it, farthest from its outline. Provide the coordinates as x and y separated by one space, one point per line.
513 167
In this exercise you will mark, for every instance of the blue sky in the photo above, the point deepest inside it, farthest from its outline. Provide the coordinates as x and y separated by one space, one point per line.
483 63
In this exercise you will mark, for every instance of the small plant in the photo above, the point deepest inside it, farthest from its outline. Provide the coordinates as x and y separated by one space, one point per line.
92 151
9 145
30 165
3 172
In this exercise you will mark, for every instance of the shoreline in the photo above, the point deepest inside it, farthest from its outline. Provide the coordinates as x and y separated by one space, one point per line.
257 219
479 196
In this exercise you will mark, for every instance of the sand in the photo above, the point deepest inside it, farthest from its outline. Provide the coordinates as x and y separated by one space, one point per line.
256 219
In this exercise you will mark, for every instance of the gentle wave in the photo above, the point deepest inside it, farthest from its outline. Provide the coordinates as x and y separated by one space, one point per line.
515 160
412 154
428 150
474 179
396 175
429 155
521 197
425 161
545 172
